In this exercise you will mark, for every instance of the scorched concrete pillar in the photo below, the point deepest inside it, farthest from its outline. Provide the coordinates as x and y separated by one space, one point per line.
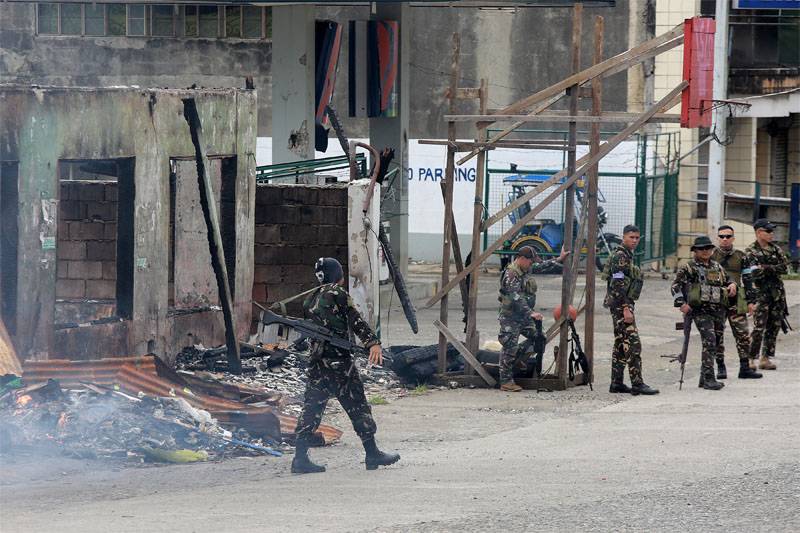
362 249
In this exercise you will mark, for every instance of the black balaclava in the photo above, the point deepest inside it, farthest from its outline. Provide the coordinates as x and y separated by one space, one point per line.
328 270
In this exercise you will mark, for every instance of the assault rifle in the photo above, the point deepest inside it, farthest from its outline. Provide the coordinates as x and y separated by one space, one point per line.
577 357
533 351
310 330
686 326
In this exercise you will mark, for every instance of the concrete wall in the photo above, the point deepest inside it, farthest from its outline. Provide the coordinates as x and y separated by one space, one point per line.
294 226
40 127
519 51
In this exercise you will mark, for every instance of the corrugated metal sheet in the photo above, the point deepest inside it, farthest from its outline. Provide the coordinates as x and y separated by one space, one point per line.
72 373
140 374
9 363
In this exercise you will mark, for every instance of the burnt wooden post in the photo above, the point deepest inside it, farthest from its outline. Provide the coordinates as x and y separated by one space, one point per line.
447 191
591 199
569 204
208 204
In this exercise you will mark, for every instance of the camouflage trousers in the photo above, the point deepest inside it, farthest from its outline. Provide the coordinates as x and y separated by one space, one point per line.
627 350
334 377
711 327
509 338
766 324
741 334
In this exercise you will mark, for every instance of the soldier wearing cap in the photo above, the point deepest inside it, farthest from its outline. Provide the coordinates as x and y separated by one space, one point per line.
764 263
332 371
517 301
732 260
703 288
625 281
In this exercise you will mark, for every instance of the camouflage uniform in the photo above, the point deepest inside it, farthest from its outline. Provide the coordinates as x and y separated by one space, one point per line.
624 283
704 288
762 280
732 261
331 371
517 301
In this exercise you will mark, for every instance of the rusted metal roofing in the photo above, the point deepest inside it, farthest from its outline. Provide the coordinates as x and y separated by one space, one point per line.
141 374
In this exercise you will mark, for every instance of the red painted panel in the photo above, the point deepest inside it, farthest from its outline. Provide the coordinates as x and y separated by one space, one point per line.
698 68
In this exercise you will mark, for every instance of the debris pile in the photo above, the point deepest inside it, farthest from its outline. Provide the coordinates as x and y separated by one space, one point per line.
97 422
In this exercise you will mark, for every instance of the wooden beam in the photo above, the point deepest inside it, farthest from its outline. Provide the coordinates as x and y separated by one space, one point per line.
208 204
624 134
466 354
621 117
589 160
591 204
568 273
537 102
447 193
468 93
669 45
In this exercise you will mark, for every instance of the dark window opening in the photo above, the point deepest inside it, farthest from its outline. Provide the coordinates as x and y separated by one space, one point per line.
95 241
227 218
9 240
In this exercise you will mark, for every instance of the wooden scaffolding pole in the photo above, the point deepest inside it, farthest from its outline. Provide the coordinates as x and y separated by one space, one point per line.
605 149
569 201
591 201
448 203
473 339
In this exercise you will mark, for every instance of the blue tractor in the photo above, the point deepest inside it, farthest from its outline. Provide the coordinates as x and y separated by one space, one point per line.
545 235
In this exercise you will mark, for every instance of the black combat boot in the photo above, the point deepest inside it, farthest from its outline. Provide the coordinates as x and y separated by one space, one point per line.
301 464
722 372
619 388
745 372
709 383
376 458
643 388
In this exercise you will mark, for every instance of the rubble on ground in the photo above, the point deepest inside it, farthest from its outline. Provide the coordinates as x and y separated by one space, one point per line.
96 422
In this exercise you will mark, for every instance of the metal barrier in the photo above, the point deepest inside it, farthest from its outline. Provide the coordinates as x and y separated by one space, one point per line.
337 166
640 188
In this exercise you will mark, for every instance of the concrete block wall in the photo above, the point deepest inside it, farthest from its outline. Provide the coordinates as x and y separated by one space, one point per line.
87 241
294 226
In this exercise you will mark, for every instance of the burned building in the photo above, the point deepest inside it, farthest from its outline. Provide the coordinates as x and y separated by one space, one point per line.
104 247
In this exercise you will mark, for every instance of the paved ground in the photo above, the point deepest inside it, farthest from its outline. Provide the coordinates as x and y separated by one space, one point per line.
480 460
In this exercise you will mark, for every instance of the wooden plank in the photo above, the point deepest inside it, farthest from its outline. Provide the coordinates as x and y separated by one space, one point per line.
546 97
669 45
214 236
550 383
589 160
468 93
568 277
447 193
591 199
615 118
466 354
502 213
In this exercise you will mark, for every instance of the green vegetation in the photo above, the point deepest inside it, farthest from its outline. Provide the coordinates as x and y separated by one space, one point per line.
377 400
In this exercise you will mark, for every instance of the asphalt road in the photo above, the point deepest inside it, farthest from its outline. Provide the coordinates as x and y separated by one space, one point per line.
482 460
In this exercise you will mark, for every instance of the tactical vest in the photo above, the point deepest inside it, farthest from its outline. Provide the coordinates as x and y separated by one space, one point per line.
708 288
529 289
633 282
732 263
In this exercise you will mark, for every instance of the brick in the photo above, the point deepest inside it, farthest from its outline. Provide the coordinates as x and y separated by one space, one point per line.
110 231
71 210
91 192
71 250
105 211
268 234
101 289
268 195
101 251
111 192
267 274
86 231
332 235
70 288
259 292
62 267
109 270
85 270
262 255
299 234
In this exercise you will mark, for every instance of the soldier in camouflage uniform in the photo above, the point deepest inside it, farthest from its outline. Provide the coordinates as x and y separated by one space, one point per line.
765 262
732 260
703 288
332 371
625 282
517 301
